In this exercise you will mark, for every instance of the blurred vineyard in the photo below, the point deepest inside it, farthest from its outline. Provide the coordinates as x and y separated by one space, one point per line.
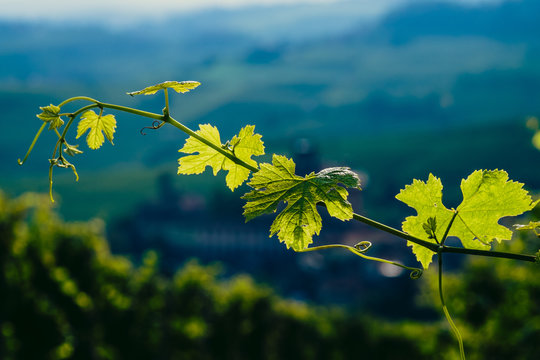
64 295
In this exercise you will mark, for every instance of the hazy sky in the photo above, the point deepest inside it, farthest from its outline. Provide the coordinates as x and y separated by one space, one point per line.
75 9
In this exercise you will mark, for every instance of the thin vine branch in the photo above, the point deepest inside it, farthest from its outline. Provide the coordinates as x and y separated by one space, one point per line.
453 326
166 118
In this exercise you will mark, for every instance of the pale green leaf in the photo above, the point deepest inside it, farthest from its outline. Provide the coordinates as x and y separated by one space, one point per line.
487 197
299 221
178 86
98 126
244 145
50 114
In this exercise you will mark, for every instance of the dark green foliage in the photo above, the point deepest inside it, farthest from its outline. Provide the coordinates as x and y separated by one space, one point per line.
64 295
495 303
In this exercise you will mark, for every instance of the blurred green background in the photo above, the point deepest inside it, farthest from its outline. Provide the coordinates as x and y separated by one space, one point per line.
394 91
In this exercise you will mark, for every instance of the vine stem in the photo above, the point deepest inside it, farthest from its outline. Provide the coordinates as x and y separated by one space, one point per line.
166 118
445 248
429 245
453 326
219 149
32 144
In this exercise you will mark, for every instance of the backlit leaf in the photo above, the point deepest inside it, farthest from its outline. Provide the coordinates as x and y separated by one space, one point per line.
178 86
488 196
244 145
98 126
299 221
426 199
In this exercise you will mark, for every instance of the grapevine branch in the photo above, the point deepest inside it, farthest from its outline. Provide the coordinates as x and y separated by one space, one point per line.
166 118
52 115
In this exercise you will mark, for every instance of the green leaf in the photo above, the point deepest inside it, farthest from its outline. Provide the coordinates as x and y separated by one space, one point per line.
98 126
50 114
299 221
178 86
244 145
488 196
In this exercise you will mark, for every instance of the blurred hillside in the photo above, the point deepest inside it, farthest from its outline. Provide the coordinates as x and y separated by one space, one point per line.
429 87
64 295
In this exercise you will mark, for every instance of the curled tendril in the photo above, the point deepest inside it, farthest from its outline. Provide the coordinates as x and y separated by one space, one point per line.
416 273
359 249
363 246
155 125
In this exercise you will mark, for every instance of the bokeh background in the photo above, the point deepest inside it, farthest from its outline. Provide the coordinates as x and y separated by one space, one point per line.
133 261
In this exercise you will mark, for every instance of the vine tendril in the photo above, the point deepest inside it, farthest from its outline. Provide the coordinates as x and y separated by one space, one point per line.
415 272
156 124
363 246
19 161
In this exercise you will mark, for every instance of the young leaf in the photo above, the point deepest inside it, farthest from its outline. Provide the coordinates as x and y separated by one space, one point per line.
178 86
300 220
430 226
98 126
487 197
244 145
72 150
532 225
50 114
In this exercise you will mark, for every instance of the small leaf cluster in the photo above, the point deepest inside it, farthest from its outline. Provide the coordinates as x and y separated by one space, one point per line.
96 124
